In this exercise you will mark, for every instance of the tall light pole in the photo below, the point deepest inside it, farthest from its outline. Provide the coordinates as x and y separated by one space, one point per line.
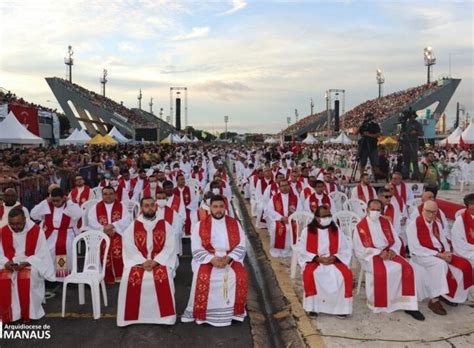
312 106
103 81
380 81
69 61
430 60
226 120
296 115
140 99
161 113
151 105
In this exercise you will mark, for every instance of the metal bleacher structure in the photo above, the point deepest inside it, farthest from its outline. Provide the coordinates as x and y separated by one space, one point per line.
442 94
98 114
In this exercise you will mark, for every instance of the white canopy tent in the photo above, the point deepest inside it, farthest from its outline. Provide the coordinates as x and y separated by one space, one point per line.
342 139
13 132
185 139
270 141
115 133
77 137
310 139
176 139
468 134
453 138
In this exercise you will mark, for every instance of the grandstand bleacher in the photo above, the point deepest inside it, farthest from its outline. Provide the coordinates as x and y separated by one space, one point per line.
98 114
385 109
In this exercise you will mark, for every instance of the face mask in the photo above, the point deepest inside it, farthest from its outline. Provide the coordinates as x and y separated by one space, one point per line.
107 175
41 167
215 191
167 171
161 202
326 221
152 184
374 215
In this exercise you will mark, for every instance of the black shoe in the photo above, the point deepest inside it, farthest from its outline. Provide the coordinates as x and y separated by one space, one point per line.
446 301
416 315
313 314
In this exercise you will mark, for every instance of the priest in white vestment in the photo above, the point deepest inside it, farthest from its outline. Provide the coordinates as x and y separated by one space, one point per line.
10 201
462 234
324 257
25 263
441 275
220 284
389 278
146 293
58 218
277 212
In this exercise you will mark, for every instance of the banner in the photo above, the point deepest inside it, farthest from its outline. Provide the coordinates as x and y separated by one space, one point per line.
27 116
45 114
56 129
3 110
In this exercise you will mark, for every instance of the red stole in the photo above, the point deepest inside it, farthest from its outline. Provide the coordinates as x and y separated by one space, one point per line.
61 252
280 227
186 194
329 187
380 271
273 189
264 184
308 191
468 226
202 288
390 212
456 261
114 263
314 202
168 215
147 190
176 202
401 197
309 282
23 277
83 197
160 273
199 175
361 195
133 183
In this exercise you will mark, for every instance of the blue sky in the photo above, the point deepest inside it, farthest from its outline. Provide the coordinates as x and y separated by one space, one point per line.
255 61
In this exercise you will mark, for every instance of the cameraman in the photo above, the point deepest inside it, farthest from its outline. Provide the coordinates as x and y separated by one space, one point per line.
369 131
411 131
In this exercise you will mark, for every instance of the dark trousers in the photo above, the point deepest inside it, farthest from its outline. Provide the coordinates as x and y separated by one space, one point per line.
410 156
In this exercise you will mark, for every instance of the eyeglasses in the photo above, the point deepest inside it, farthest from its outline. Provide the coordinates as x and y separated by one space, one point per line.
430 211
388 196
325 216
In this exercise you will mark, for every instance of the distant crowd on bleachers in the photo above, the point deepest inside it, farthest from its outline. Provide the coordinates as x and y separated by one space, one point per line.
107 103
11 98
380 107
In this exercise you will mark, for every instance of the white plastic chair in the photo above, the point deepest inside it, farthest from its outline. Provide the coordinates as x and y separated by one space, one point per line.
357 206
414 201
302 219
85 211
459 213
467 177
338 198
92 274
97 191
347 221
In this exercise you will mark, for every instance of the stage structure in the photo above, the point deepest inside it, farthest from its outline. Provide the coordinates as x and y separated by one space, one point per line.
176 97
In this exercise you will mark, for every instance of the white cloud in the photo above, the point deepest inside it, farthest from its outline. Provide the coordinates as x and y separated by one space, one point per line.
196 32
237 5
127 46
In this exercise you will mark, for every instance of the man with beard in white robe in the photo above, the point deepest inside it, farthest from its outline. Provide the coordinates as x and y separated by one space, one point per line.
277 212
324 257
58 218
10 201
219 289
441 275
25 263
389 278
146 293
